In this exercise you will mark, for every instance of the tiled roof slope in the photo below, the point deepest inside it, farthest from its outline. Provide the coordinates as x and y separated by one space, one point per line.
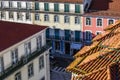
112 5
12 33
61 1
101 61
109 8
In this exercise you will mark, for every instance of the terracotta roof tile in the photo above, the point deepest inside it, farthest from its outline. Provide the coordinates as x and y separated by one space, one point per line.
98 63
85 49
101 36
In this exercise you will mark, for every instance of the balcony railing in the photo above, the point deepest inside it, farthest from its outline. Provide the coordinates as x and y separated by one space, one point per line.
64 38
24 60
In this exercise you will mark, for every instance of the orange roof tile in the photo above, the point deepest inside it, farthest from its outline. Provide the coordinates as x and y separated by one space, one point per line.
99 59
86 48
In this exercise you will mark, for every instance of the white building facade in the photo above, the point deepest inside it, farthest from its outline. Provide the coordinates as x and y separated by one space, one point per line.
28 58
64 19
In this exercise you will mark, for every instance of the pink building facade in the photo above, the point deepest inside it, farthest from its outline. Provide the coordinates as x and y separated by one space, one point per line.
99 15
94 25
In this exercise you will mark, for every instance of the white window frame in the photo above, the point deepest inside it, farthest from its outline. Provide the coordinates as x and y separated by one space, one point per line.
20 15
39 42
66 19
10 4
28 5
19 5
3 15
41 62
28 14
56 18
77 20
89 22
99 23
30 70
46 17
27 47
14 56
11 14
110 19
37 16
2 4
98 32
18 76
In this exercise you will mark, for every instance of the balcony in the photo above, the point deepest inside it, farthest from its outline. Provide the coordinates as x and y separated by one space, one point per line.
78 40
23 61
64 38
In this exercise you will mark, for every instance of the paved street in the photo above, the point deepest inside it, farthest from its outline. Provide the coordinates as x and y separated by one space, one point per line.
58 65
57 75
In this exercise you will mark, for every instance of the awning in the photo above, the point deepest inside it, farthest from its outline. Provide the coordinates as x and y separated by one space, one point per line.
76 46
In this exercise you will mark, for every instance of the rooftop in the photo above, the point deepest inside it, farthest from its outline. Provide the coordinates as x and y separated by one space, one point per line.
12 33
109 8
100 60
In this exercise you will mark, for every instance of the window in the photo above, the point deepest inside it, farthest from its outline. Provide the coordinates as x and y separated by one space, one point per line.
88 35
1 64
98 32
67 35
77 8
77 36
37 16
77 20
99 22
57 33
3 15
43 78
88 21
41 62
18 76
18 5
48 33
19 16
56 18
39 42
30 70
66 19
46 6
37 6
66 7
57 45
10 15
10 4
56 7
110 21
27 48
2 4
46 17
28 16
14 54
28 5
